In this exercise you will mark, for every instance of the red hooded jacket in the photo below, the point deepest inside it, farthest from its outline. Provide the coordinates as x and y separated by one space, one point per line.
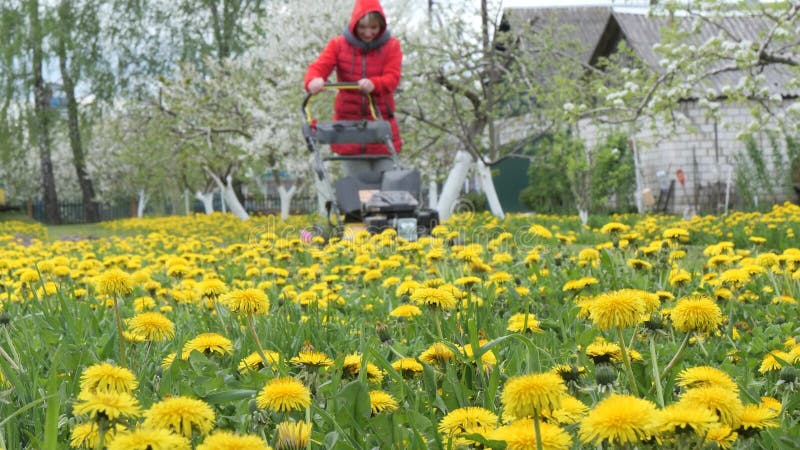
379 61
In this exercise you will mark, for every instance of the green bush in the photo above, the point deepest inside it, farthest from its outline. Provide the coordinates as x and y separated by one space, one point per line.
549 189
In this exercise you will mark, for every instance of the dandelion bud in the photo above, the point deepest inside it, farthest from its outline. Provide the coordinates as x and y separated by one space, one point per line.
605 374
383 332
788 374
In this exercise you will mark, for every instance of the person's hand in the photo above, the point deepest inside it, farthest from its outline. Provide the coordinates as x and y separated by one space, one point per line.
316 85
365 86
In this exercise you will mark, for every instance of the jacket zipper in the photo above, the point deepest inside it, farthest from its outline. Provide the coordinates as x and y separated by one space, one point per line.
363 97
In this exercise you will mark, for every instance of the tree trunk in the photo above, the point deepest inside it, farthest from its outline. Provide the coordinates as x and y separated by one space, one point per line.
487 184
42 94
228 195
208 201
91 209
433 193
142 203
286 199
453 184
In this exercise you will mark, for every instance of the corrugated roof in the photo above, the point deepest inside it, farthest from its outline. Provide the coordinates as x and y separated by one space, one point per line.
643 32
594 28
585 25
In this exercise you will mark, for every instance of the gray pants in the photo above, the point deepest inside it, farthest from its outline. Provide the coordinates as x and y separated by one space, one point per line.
349 167
352 167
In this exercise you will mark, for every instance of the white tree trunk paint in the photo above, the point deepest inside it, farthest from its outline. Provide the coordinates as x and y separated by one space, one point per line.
584 215
141 203
229 195
452 186
286 199
487 186
638 177
208 201
433 194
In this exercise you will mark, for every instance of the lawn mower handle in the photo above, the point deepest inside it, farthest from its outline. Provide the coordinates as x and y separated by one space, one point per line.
373 107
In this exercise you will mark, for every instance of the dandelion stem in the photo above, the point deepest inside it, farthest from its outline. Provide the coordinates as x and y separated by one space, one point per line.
308 420
656 377
438 323
219 315
537 429
102 427
627 360
259 349
122 358
677 355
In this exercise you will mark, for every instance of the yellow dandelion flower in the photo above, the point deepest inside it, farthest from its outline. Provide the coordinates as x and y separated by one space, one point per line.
466 420
87 434
436 353
311 359
579 284
381 402
166 363
639 264
679 277
284 394
254 362
694 377
771 403
602 351
617 309
734 278
114 282
143 303
105 377
614 227
542 392
676 233
110 405
181 415
28 276
722 436
406 287
408 367
679 417
723 402
754 418
352 367
212 288
149 439
405 311
774 360
226 440
152 326
389 282
246 301
488 359
571 411
434 298
540 231
522 322
207 343
521 435
619 420
697 313
292 435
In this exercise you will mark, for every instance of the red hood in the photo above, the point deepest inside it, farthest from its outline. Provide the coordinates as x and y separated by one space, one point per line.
362 8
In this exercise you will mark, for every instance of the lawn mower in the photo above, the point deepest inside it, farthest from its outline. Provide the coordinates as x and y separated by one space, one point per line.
379 200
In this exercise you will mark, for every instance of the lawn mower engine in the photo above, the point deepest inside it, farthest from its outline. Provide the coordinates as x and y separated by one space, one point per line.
383 200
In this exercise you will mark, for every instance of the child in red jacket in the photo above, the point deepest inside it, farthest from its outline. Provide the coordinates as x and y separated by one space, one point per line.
367 54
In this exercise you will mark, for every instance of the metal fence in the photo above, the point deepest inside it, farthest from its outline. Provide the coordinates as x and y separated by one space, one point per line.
272 205
73 212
